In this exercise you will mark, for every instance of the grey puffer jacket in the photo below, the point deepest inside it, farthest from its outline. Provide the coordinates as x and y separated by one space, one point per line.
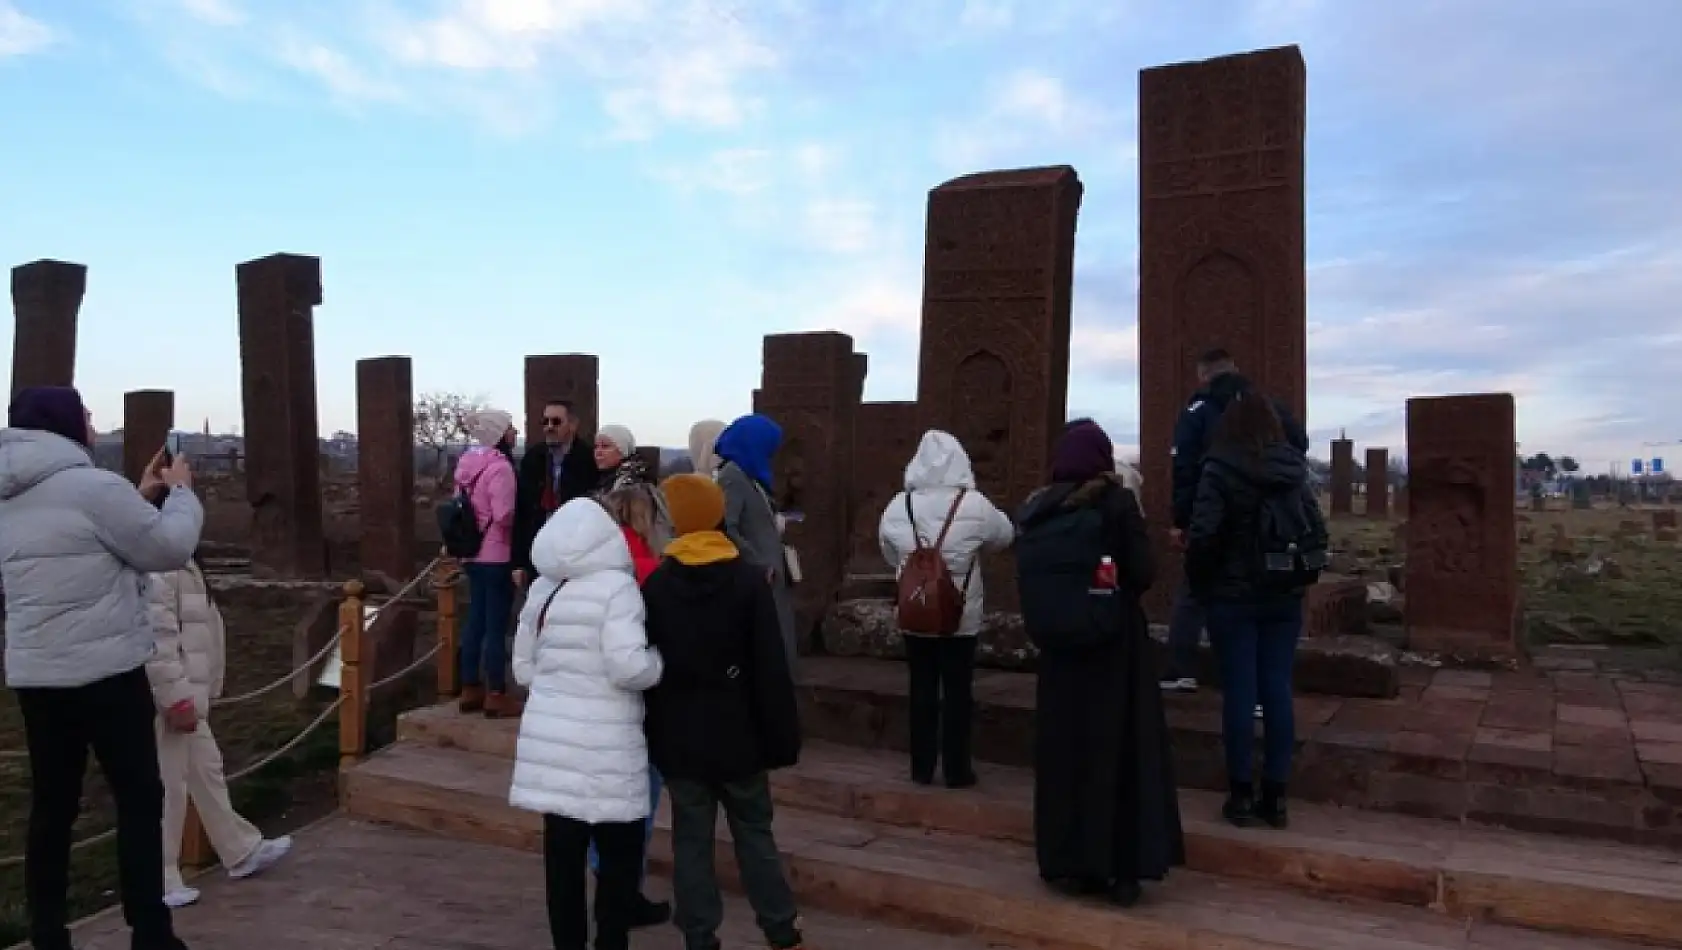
76 544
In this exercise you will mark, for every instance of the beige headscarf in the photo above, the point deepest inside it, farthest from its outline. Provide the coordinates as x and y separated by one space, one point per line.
703 439
1133 479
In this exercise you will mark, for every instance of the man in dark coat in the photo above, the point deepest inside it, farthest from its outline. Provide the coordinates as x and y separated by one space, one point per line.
1218 382
553 472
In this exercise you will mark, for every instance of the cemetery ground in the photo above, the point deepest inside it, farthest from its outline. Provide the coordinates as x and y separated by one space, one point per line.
1602 581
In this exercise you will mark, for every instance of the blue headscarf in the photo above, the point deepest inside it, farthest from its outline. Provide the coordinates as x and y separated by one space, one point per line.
750 442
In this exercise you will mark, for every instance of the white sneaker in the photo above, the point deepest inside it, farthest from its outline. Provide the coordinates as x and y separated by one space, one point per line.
1258 711
181 897
260 860
1185 684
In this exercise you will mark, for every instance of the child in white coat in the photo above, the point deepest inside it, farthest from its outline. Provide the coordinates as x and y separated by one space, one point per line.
582 759
186 674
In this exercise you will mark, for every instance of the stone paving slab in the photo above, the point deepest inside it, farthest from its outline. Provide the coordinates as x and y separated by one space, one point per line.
1554 751
354 886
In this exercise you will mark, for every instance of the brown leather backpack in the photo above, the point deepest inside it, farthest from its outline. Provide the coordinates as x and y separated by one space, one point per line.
929 603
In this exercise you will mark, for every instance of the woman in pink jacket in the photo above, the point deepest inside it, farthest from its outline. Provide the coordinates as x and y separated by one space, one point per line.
486 474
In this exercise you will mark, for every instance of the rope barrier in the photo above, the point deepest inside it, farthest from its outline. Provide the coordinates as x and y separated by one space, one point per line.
405 671
295 741
322 654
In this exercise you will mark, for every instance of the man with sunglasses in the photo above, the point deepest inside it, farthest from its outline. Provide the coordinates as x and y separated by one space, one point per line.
553 472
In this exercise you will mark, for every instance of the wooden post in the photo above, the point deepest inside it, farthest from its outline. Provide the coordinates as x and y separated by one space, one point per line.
353 715
444 583
196 851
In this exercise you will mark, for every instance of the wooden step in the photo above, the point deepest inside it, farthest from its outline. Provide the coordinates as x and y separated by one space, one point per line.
1539 881
947 883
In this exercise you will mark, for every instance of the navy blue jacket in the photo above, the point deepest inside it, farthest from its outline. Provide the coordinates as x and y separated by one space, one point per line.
1195 429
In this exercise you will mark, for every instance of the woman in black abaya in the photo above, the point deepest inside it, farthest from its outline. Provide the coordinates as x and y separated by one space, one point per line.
1106 810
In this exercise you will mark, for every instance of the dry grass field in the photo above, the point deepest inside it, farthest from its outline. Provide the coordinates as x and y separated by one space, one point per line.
1612 581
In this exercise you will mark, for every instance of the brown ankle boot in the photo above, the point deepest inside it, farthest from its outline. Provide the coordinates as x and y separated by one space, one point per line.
472 699
502 705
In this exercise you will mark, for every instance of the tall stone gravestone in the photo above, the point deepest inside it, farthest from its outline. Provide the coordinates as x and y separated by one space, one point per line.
385 464
1343 475
569 376
887 435
1378 483
148 417
1221 253
809 385
46 299
277 295
994 363
1462 546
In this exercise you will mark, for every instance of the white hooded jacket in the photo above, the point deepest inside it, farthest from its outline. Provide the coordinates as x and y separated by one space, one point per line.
932 480
581 752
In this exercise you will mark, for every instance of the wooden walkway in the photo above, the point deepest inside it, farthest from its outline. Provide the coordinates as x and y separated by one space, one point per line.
354 886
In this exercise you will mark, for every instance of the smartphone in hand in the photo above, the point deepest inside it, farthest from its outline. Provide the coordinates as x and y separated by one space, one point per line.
172 447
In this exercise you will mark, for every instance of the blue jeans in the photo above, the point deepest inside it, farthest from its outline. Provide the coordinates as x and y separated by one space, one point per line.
654 787
484 638
1185 631
1257 647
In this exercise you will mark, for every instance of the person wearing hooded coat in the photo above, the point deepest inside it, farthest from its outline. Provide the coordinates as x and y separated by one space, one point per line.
1253 625
1106 809
76 545
745 449
942 667
581 759
486 474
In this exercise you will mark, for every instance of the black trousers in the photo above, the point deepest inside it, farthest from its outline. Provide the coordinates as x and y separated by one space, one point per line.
114 718
566 846
942 704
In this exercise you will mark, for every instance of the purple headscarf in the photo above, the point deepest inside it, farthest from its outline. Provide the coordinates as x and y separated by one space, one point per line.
1083 453
55 409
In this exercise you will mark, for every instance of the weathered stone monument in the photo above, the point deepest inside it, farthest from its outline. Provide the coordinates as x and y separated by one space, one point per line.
282 448
570 376
993 368
1221 252
887 435
810 385
46 299
1462 559
385 464
1343 475
148 417
1378 483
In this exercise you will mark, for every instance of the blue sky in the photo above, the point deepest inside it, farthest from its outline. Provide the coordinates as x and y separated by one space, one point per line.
1493 189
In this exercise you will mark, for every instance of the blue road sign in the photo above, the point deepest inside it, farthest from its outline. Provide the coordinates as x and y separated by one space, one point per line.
1657 466
1635 466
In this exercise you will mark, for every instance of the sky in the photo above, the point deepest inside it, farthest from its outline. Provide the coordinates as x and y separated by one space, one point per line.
1493 190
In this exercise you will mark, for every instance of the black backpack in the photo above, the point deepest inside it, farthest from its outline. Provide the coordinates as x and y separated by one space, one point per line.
458 524
1057 556
1291 542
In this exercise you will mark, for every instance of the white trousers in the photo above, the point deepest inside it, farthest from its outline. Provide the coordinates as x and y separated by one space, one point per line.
191 767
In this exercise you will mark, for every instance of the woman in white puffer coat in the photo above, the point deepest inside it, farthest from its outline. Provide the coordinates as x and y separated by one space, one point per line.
582 759
186 675
942 667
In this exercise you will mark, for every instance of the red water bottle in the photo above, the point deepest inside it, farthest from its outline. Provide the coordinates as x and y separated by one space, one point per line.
1104 579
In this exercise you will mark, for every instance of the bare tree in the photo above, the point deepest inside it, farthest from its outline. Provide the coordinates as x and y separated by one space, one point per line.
441 422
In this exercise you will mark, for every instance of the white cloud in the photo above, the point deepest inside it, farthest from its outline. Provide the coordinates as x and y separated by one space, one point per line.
1029 113
214 12
21 34
333 69
873 305
842 225
731 171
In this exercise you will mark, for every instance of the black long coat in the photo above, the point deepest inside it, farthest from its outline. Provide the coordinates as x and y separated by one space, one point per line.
1106 807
